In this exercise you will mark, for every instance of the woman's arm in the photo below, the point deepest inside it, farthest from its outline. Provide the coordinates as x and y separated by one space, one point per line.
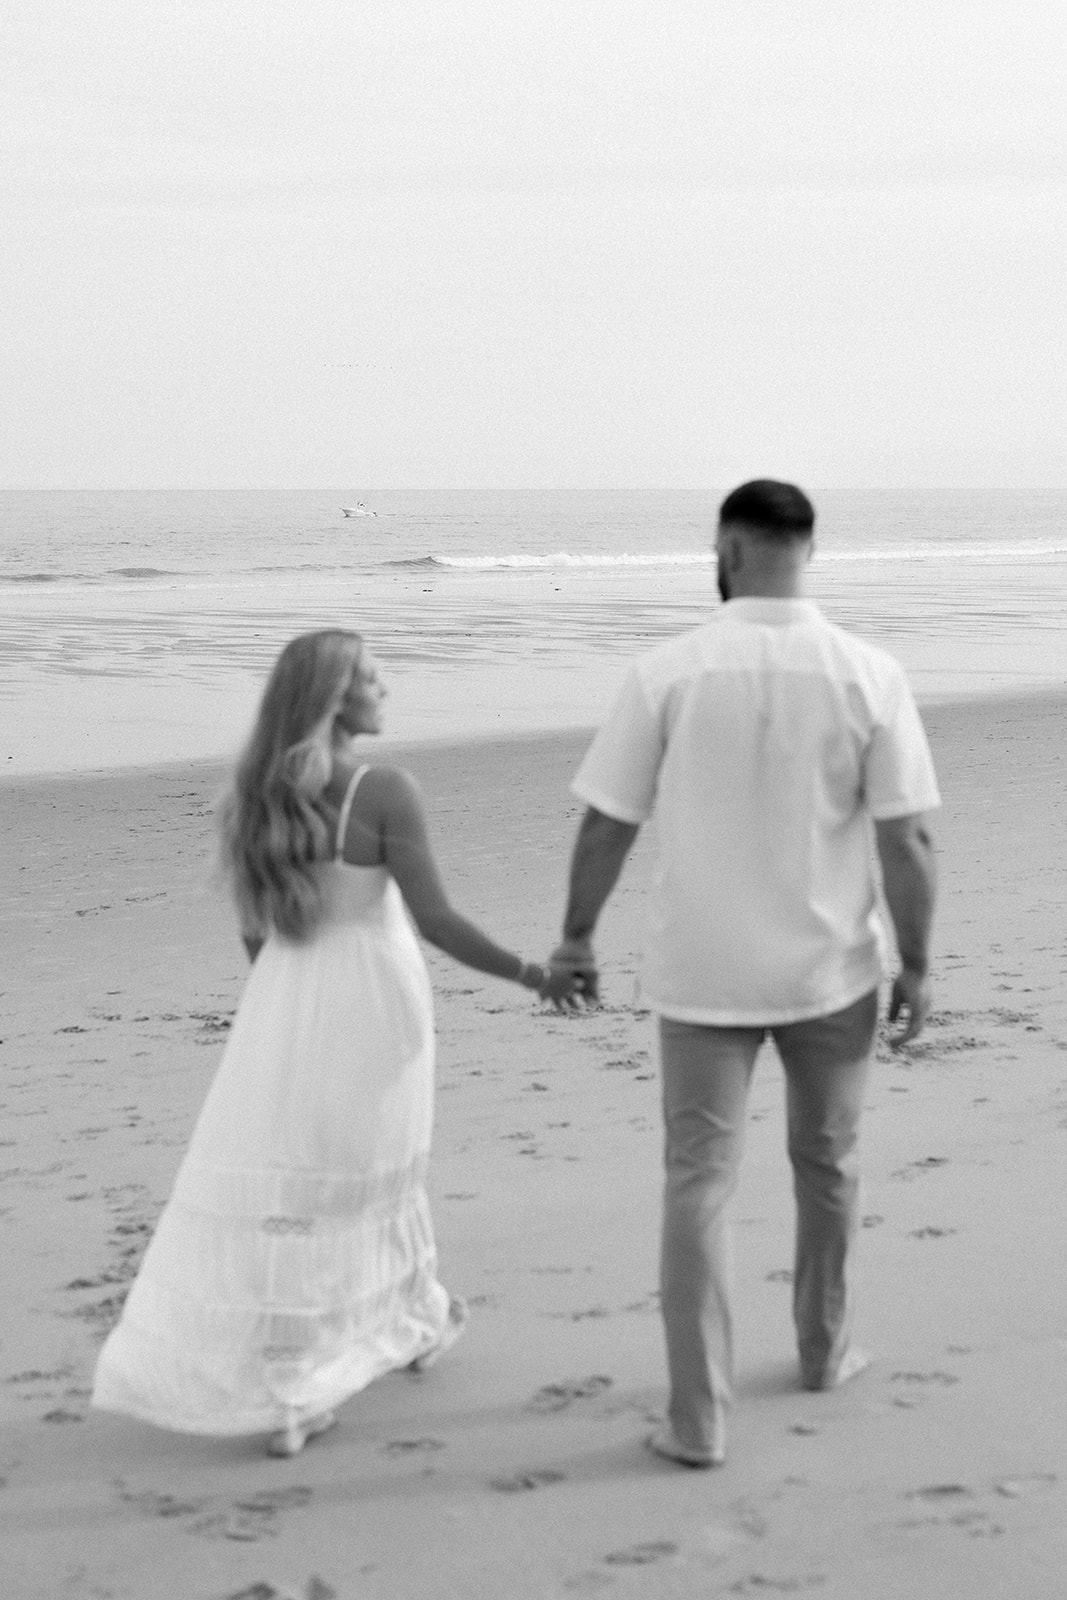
394 795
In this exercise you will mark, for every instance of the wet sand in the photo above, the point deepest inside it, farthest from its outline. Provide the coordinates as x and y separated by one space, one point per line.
515 1467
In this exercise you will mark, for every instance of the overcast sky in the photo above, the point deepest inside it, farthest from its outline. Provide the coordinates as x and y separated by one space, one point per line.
303 243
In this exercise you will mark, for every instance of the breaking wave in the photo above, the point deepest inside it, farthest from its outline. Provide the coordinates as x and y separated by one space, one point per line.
980 552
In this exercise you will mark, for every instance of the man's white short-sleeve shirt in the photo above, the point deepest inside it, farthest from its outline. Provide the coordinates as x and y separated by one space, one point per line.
763 744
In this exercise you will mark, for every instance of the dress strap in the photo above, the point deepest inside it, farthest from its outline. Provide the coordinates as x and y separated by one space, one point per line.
346 809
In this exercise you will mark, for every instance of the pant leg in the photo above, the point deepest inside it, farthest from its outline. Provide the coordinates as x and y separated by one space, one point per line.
706 1074
826 1063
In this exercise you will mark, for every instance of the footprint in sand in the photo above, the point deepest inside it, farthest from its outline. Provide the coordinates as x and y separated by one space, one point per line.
556 1396
101 1315
761 1583
407 1447
960 1512
212 1025
102 1278
642 1555
35 1376
974 1523
931 1233
937 1376
539 1478
1015 1488
316 1588
244 1520
153 1504
252 1519
925 1164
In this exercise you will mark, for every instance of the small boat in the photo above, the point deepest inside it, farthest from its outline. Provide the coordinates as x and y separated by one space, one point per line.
358 510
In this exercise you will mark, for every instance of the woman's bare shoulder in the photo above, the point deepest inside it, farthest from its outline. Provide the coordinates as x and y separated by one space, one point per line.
388 796
377 783
387 783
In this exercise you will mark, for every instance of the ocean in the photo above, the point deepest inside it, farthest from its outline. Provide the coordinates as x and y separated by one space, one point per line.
138 626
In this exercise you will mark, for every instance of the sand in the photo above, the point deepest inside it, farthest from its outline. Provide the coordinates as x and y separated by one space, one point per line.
515 1468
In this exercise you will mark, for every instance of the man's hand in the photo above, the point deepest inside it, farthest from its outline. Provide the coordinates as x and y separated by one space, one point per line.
911 996
599 852
564 986
909 877
576 956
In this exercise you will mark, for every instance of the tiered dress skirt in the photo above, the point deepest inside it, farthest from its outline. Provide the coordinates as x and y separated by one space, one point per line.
295 1260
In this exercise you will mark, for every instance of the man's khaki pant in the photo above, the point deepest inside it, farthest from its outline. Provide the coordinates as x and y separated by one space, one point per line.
706 1076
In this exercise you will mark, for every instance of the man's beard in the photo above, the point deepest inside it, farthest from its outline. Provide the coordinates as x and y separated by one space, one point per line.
723 580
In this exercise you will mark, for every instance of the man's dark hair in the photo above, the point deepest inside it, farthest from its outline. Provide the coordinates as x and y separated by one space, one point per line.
777 510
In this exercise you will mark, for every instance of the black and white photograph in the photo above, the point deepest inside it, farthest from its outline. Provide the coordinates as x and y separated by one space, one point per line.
533 700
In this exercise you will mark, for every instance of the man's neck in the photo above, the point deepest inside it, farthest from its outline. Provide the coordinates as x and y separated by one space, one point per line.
752 567
768 586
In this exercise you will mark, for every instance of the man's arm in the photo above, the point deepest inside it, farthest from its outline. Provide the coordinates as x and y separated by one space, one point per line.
909 877
600 849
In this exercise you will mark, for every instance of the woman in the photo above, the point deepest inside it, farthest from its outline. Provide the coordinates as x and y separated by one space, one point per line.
295 1261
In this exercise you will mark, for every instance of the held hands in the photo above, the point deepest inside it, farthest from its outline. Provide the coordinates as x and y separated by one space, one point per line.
562 982
563 986
911 996
575 958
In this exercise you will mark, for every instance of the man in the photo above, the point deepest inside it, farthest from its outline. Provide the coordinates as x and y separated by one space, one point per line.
764 744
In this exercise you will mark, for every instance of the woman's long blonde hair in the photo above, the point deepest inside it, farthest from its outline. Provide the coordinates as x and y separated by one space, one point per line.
273 825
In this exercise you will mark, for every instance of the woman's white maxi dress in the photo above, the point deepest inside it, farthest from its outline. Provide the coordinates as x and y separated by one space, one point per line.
295 1260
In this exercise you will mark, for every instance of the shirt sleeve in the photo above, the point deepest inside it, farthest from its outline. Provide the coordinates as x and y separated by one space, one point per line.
899 777
619 772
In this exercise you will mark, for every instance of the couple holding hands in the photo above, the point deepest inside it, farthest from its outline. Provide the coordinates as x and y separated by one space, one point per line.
295 1262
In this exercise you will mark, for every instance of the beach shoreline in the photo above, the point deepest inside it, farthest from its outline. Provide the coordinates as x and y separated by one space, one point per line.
490 613
215 767
515 1468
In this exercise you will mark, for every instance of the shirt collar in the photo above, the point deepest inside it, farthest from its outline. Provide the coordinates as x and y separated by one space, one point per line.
758 608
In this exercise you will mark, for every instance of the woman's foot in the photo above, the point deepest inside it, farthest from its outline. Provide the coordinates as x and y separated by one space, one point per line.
295 1435
458 1317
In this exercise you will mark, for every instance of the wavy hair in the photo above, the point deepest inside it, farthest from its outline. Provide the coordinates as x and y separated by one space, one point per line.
273 826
